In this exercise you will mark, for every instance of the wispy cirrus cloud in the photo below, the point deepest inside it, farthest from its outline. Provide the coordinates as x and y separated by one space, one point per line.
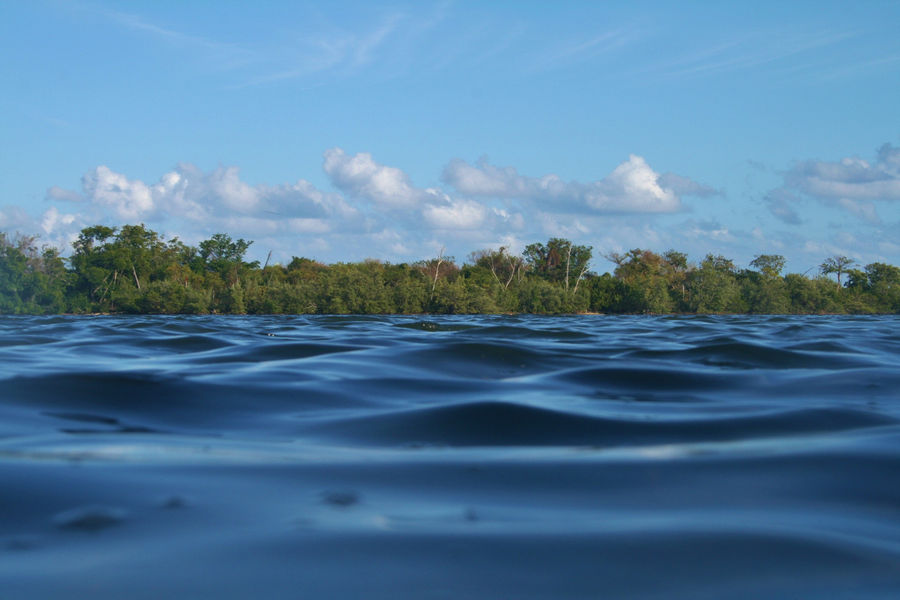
793 50
292 53
223 54
604 43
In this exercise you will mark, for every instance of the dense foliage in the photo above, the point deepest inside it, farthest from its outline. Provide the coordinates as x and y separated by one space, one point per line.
131 269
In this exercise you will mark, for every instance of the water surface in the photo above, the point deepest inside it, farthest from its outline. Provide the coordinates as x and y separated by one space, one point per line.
450 457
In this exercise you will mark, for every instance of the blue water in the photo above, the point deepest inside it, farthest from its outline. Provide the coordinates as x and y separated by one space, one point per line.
449 457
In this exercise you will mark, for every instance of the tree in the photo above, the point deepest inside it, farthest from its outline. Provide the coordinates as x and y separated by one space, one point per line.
714 287
140 251
559 261
504 267
220 247
884 286
765 291
437 268
769 264
94 272
224 256
32 280
836 265
132 269
653 283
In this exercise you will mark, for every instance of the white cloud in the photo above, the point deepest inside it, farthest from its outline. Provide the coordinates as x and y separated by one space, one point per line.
709 230
189 193
554 226
632 187
391 190
850 178
456 214
392 239
225 184
485 179
851 184
684 186
129 199
52 218
865 210
360 176
58 193
194 203
386 216
308 226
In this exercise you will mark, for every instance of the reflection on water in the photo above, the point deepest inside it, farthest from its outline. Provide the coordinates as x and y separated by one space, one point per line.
450 457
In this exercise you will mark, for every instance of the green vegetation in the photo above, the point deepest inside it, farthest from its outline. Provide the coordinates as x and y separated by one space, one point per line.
131 269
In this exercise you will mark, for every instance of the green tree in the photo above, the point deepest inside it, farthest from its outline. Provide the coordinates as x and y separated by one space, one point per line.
436 269
884 286
713 286
837 265
769 265
504 267
559 261
225 256
649 280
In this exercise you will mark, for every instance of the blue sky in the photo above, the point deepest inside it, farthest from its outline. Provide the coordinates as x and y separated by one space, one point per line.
346 130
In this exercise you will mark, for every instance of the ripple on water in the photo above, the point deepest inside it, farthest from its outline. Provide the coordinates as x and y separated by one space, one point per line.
636 456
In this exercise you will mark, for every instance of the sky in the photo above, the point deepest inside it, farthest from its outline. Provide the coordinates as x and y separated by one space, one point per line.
342 131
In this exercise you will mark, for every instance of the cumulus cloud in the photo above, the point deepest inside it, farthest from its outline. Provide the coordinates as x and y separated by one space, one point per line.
52 219
455 214
443 212
376 210
128 199
632 187
188 192
360 176
390 189
53 228
485 179
193 203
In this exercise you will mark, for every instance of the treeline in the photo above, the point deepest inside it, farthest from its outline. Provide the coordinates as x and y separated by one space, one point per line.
132 269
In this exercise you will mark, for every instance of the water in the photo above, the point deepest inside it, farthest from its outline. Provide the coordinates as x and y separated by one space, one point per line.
450 457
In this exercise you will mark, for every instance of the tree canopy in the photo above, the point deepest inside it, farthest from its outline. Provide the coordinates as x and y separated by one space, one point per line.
132 269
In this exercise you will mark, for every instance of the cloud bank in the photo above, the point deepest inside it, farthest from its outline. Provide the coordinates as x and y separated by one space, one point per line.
851 184
632 187
190 194
377 210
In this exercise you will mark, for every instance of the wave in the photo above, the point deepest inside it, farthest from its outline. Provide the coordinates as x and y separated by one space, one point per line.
484 457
